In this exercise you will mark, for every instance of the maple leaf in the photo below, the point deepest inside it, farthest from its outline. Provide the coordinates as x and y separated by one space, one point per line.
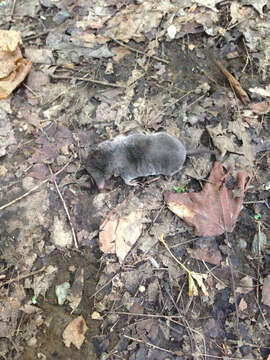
215 209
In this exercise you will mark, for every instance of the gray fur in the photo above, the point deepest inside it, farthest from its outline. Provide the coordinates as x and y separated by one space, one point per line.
135 156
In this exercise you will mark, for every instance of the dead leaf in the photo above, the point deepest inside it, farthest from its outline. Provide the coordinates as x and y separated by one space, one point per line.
133 22
75 295
74 332
211 4
261 108
215 209
258 5
119 53
119 235
208 254
245 285
13 67
242 305
228 140
198 278
9 40
266 291
44 281
261 91
107 236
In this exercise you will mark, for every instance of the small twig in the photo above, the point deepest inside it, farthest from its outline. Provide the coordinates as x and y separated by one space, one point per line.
103 287
210 271
194 102
13 9
234 292
254 202
141 52
31 37
174 257
34 188
167 317
153 346
219 357
105 83
21 277
235 84
66 210
36 96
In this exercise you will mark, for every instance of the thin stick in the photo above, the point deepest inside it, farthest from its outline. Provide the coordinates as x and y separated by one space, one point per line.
33 189
153 346
13 8
168 317
66 210
235 84
105 83
21 277
141 52
107 283
31 37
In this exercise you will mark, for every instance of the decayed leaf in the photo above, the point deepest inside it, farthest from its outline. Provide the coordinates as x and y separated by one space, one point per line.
194 278
208 254
119 235
266 291
208 3
258 5
226 140
43 281
215 209
261 108
74 332
9 40
13 67
261 91
75 294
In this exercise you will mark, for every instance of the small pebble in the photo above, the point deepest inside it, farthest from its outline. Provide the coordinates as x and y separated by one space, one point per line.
242 244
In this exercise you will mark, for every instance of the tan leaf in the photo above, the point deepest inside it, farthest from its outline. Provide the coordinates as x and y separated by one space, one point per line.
9 40
74 332
128 231
13 67
107 236
119 235
242 305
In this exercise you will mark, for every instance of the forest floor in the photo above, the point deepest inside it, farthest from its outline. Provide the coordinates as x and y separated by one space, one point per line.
125 273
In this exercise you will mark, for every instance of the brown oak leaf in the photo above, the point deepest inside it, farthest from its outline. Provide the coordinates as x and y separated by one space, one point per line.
215 209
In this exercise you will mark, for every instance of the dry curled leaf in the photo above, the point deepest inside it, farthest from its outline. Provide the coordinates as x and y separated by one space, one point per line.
13 67
215 209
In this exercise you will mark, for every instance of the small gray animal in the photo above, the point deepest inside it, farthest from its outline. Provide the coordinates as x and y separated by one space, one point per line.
135 156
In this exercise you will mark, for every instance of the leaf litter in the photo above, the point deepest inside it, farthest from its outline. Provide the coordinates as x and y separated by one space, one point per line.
162 78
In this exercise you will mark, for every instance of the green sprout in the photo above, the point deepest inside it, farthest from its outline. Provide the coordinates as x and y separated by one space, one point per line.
178 189
257 216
